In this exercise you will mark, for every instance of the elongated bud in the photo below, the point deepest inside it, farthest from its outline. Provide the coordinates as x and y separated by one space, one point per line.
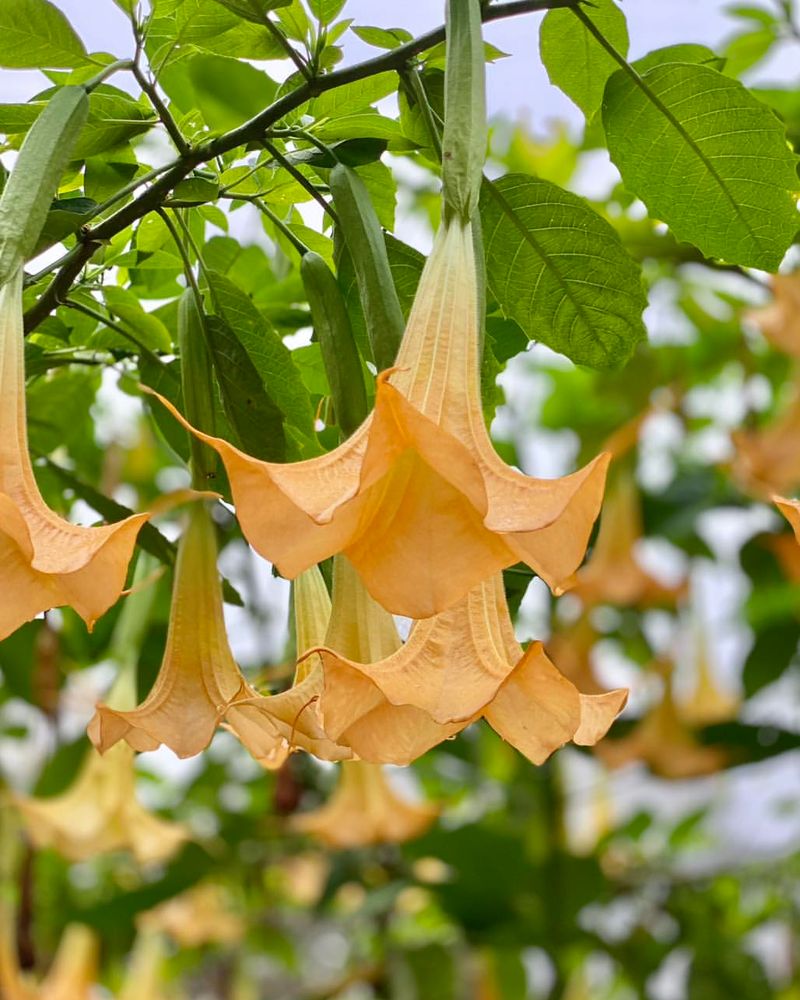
34 180
336 341
363 235
465 132
198 386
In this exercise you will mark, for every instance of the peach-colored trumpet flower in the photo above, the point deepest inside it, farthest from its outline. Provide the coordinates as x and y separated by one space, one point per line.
663 742
71 976
613 574
201 915
779 321
45 561
365 810
767 460
709 702
391 703
99 813
417 498
199 684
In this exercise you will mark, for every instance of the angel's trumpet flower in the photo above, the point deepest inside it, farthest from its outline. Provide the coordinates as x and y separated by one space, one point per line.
779 321
767 460
364 810
199 684
71 976
417 498
459 666
612 574
201 915
100 813
144 974
709 703
45 561
663 742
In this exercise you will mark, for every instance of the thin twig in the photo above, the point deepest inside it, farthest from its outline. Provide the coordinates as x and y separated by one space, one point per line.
161 110
300 177
288 48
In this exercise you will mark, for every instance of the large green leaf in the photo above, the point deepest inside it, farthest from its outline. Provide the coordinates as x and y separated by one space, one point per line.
575 61
560 271
270 387
253 10
35 34
705 157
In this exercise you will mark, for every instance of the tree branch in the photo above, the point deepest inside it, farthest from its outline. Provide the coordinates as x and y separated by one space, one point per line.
251 131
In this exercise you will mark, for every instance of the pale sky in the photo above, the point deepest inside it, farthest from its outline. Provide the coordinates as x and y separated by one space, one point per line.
517 86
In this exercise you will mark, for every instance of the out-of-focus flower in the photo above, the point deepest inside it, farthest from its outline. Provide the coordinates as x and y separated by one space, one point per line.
417 498
767 460
201 915
100 813
571 648
199 684
613 574
364 810
663 742
780 320
143 977
71 976
391 703
708 702
45 561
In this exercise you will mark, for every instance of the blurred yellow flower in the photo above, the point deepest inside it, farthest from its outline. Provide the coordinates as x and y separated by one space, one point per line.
767 460
201 915
100 813
364 810
199 684
779 321
71 976
613 575
417 498
45 561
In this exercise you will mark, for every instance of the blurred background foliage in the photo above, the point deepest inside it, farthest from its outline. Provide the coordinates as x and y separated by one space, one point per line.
664 864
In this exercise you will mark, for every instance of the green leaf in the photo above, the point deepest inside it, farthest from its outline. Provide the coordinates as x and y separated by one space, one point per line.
353 96
294 20
326 11
66 216
382 38
226 91
114 118
707 158
16 119
368 124
253 10
35 34
194 191
148 328
257 350
561 272
575 61
688 53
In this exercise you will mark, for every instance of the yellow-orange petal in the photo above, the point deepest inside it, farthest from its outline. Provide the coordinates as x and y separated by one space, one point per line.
364 810
791 511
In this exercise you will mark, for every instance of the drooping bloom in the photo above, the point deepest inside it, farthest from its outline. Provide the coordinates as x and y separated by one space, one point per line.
663 742
71 976
391 703
779 321
417 498
613 574
144 974
709 702
767 460
365 810
201 915
100 813
199 684
45 561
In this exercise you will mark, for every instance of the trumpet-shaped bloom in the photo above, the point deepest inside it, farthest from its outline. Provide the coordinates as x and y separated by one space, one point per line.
45 561
613 575
663 742
780 320
143 977
100 813
417 498
767 460
708 702
199 684
71 976
201 915
391 703
364 810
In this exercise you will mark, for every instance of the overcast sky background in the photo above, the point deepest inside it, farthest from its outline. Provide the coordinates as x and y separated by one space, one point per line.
518 86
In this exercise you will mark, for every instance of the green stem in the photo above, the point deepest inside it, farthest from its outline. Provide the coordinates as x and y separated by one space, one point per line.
291 169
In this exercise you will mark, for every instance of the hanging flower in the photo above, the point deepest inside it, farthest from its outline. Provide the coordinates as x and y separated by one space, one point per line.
663 741
145 968
613 574
71 976
779 321
767 460
571 648
391 703
417 498
199 684
364 810
45 561
201 915
708 703
100 813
